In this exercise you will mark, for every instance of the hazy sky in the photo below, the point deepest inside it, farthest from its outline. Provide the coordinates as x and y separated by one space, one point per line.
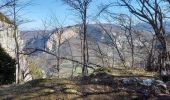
44 9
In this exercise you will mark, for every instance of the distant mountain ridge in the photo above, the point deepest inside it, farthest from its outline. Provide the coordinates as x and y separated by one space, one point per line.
71 45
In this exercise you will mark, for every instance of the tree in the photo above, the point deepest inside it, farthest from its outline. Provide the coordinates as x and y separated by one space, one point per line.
167 1
81 6
126 25
113 43
5 4
151 12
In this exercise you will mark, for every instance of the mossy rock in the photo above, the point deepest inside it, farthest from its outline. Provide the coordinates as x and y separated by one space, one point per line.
70 91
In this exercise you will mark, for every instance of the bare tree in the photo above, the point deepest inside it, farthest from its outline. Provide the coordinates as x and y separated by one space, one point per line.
16 40
113 43
5 4
125 22
59 35
151 12
81 6
167 1
100 52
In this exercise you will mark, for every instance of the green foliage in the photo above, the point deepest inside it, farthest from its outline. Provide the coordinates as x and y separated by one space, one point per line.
35 71
7 68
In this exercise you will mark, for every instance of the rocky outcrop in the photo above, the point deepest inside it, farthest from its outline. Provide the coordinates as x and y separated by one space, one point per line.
147 87
7 42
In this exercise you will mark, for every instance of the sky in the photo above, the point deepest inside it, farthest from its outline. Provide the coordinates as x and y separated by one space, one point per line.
55 12
45 9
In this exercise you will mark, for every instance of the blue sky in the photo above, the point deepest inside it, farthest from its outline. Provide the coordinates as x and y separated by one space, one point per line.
44 9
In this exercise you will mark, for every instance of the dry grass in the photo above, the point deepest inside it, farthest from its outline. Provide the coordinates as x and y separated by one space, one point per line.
60 89
42 88
134 72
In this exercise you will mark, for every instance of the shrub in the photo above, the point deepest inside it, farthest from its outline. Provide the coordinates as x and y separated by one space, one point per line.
35 71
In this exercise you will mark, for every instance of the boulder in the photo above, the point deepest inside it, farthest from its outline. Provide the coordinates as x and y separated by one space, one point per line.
131 81
147 82
168 85
159 87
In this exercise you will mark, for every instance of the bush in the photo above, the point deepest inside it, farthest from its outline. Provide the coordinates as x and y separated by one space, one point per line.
35 71
7 68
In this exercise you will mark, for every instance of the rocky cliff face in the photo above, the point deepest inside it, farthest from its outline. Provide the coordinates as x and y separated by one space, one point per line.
7 42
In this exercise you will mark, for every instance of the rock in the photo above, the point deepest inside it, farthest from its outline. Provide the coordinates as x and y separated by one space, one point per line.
125 81
70 91
131 81
168 85
159 87
155 90
163 86
100 78
158 82
48 90
147 82
94 80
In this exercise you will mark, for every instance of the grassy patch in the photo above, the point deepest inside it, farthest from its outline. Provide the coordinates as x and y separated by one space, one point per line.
133 72
125 72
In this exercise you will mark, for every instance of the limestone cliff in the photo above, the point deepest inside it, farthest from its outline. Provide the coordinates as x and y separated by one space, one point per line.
7 42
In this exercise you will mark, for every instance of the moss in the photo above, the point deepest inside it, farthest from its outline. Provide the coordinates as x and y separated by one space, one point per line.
35 71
